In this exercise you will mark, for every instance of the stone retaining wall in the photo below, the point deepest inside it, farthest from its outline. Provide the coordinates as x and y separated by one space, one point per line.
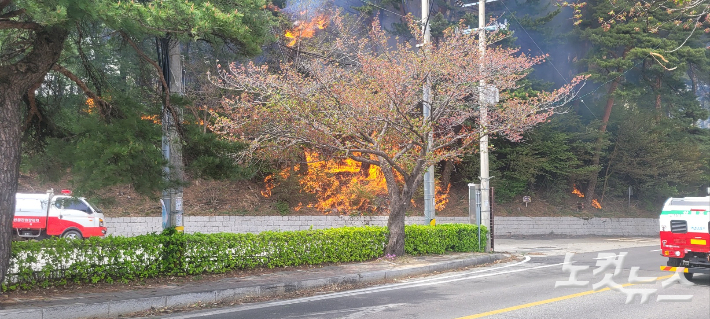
574 226
132 226
504 226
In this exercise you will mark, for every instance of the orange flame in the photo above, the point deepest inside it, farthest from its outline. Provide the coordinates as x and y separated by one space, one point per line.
342 186
91 104
441 197
577 192
304 30
154 118
269 182
596 204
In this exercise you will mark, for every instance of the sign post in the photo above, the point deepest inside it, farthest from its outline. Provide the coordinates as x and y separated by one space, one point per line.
526 200
474 207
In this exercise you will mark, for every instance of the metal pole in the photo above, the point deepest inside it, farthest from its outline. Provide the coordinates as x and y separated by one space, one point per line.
474 207
485 194
629 196
478 213
429 187
491 231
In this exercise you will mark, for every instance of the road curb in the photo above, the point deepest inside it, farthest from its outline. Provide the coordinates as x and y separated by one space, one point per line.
120 307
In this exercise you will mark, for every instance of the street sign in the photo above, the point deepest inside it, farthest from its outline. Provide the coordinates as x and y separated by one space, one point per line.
526 200
165 215
490 94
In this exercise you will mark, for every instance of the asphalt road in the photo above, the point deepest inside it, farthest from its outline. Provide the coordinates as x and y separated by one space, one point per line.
524 289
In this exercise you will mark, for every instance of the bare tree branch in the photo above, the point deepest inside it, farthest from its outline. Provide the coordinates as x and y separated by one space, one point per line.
106 110
10 24
33 111
11 14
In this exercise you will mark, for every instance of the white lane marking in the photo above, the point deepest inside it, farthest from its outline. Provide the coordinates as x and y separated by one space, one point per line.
637 240
608 257
353 313
655 250
463 273
385 288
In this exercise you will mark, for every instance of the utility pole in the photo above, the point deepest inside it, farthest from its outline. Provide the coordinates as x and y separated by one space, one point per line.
429 187
174 170
483 100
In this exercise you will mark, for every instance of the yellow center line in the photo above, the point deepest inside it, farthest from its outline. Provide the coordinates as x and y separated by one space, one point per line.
542 302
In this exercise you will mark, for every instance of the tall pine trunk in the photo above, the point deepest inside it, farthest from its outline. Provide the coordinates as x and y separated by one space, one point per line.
15 80
594 177
9 168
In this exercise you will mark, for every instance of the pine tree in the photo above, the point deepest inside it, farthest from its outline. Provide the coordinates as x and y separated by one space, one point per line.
34 36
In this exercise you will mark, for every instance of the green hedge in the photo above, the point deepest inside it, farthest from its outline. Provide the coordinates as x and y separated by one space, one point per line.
420 240
55 262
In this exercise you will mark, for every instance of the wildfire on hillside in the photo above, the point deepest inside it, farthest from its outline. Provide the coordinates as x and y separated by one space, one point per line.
305 29
341 186
576 191
596 204
91 105
153 118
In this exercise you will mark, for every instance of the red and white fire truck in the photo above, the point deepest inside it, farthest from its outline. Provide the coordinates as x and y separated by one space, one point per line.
43 215
685 235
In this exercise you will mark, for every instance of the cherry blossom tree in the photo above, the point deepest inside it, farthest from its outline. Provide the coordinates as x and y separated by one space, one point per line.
360 97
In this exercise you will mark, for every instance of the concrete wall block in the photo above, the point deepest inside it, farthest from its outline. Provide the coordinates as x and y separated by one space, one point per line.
130 226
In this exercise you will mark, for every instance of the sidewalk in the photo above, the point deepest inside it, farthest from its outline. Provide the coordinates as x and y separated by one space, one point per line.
113 304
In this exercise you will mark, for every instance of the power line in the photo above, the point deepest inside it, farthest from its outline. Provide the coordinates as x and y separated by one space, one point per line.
548 60
382 8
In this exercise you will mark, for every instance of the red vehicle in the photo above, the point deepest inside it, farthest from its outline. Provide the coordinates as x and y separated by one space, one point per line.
43 215
685 235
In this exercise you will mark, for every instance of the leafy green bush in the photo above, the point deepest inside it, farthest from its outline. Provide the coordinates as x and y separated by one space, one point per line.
420 240
55 262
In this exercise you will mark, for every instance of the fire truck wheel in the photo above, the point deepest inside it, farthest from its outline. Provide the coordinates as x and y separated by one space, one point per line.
72 234
688 275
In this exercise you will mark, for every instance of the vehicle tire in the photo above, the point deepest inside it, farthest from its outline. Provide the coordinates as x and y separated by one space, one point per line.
688 275
72 234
